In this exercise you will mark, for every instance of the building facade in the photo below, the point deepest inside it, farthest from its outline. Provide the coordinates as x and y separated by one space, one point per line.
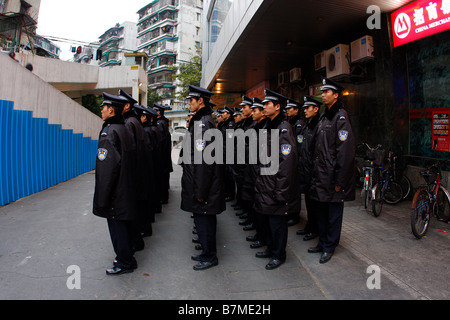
18 22
169 32
116 41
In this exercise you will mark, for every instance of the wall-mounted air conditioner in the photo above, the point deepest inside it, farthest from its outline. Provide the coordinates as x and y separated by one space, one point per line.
283 78
295 74
320 61
338 61
362 49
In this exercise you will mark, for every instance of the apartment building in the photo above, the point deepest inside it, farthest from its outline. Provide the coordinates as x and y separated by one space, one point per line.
18 20
117 41
169 32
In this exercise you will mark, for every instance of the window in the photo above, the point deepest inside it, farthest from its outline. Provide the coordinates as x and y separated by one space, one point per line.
216 19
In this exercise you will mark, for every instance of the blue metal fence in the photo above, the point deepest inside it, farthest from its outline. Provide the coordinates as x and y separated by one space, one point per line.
35 155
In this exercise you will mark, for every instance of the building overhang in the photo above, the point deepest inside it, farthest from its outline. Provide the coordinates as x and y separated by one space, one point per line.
277 36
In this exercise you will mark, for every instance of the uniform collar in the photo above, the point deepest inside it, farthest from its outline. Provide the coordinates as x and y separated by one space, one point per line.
202 112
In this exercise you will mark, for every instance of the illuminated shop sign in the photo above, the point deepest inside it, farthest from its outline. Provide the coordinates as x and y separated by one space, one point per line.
420 19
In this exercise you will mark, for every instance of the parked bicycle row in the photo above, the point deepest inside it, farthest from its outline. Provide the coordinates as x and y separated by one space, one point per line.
382 181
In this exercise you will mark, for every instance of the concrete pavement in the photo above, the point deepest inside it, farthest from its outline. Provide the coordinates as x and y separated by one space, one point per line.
42 235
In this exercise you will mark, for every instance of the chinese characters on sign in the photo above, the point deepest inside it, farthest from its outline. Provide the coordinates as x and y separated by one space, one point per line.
440 136
420 19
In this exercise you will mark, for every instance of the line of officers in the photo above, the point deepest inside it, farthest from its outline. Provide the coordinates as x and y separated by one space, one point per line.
132 174
315 157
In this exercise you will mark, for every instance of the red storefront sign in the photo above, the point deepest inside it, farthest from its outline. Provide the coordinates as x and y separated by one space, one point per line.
420 19
440 133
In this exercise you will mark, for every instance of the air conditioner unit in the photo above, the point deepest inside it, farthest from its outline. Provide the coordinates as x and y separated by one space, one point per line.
362 49
338 61
320 61
283 78
295 74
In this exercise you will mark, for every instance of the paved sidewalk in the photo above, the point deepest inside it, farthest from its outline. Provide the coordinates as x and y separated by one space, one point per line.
43 234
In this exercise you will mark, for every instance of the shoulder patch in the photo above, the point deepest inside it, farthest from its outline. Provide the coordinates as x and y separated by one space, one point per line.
102 154
343 135
286 149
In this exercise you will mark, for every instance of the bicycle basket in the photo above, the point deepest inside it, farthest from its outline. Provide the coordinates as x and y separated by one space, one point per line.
377 156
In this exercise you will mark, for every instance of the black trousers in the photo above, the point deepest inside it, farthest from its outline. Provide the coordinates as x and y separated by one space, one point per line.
122 233
276 235
311 212
206 226
329 219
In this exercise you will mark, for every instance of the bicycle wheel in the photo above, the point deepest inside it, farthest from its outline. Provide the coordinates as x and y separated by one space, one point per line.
377 200
405 183
443 205
393 193
420 215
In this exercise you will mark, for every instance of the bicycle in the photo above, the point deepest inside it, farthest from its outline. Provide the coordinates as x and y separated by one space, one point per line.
432 198
404 181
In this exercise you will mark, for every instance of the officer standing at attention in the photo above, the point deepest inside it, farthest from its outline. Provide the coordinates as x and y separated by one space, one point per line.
228 124
202 184
292 108
134 126
114 194
306 141
275 192
162 124
333 179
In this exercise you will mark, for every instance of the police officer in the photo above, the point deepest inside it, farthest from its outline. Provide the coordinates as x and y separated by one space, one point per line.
228 124
292 109
142 188
242 165
259 238
202 183
275 192
162 124
333 173
305 135
114 195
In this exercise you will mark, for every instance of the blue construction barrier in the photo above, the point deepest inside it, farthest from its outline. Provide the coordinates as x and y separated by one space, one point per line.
35 155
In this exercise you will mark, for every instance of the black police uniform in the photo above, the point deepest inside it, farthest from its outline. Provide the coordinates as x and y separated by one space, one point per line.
296 205
163 125
134 126
305 135
275 193
202 181
230 184
115 193
334 158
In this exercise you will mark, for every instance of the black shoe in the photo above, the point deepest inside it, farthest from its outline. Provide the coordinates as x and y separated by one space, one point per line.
194 231
238 207
326 256
292 222
194 240
115 271
249 227
245 222
301 232
206 265
309 236
257 244
274 263
196 257
227 199
252 238
241 214
234 205
315 250
198 247
263 254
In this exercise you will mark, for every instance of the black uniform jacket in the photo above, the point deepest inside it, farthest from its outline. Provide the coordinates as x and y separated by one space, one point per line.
334 157
115 194
202 180
306 141
166 144
252 169
278 194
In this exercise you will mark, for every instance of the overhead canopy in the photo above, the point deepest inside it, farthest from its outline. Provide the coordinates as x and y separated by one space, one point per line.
285 34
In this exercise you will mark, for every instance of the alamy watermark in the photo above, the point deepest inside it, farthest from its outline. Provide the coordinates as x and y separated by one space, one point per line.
374 21
235 147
